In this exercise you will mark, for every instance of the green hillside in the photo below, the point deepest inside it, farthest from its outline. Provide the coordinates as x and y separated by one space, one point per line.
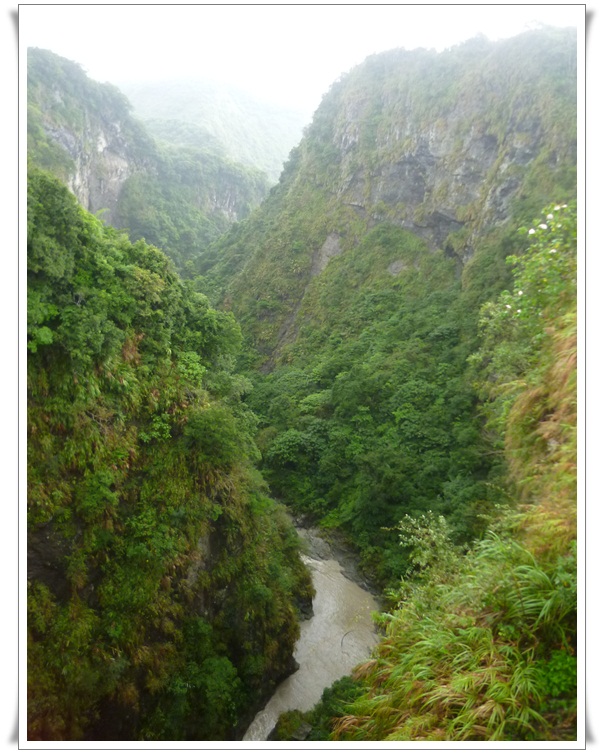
481 644
360 311
179 197
162 579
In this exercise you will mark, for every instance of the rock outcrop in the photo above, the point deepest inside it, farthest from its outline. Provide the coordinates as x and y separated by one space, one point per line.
176 197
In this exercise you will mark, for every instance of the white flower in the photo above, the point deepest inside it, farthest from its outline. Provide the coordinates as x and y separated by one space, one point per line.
550 217
557 207
520 293
518 310
531 231
544 226
553 251
507 306
564 206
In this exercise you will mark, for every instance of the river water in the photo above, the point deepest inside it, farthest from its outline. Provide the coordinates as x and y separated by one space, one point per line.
339 636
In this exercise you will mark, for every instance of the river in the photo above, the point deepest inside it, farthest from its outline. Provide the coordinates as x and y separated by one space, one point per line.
338 636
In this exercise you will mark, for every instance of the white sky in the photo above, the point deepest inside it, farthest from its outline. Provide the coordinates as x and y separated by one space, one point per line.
289 54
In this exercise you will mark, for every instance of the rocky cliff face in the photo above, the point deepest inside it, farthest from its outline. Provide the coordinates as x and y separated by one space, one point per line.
101 159
445 143
457 147
85 134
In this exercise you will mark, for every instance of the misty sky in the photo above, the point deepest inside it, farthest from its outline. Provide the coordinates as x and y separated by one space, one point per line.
286 54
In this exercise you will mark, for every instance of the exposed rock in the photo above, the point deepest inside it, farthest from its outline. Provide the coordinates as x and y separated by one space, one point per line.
46 560
302 732
331 248
396 267
84 132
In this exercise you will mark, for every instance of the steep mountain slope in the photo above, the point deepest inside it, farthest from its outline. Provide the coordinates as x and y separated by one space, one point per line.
179 198
162 581
395 390
358 281
207 114
485 646
453 146
82 131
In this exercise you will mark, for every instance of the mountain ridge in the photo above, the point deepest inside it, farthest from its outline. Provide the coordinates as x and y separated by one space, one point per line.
406 298
251 131
177 197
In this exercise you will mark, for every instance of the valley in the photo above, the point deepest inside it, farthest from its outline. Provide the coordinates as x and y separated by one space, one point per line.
379 339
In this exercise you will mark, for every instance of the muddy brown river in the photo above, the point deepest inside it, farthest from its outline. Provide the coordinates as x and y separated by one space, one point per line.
339 636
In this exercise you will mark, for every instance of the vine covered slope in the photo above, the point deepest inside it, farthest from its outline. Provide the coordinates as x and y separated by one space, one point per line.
162 580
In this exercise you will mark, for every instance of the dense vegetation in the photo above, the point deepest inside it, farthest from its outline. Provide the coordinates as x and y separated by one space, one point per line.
482 645
372 418
396 356
189 200
162 578
360 311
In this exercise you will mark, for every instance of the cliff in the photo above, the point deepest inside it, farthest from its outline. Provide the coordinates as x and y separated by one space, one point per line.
159 572
457 147
359 281
84 132
446 144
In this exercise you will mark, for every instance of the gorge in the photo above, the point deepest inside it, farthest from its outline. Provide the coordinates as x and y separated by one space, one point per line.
337 637
382 343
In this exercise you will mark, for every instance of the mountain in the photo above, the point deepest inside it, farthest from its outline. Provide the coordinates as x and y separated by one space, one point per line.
482 642
204 113
178 198
390 337
358 282
453 147
407 295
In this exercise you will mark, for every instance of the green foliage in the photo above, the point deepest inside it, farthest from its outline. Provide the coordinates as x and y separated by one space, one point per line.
178 197
527 362
386 398
559 674
483 646
189 199
59 94
163 581
212 436
333 704
473 654
368 415
429 541
361 329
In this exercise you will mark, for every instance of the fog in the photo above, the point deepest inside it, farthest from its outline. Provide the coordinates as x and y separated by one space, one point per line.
284 54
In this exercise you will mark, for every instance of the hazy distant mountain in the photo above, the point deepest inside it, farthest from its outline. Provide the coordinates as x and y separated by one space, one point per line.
178 196
252 132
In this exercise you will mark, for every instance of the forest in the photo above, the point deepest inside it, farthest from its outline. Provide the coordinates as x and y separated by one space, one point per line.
382 344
